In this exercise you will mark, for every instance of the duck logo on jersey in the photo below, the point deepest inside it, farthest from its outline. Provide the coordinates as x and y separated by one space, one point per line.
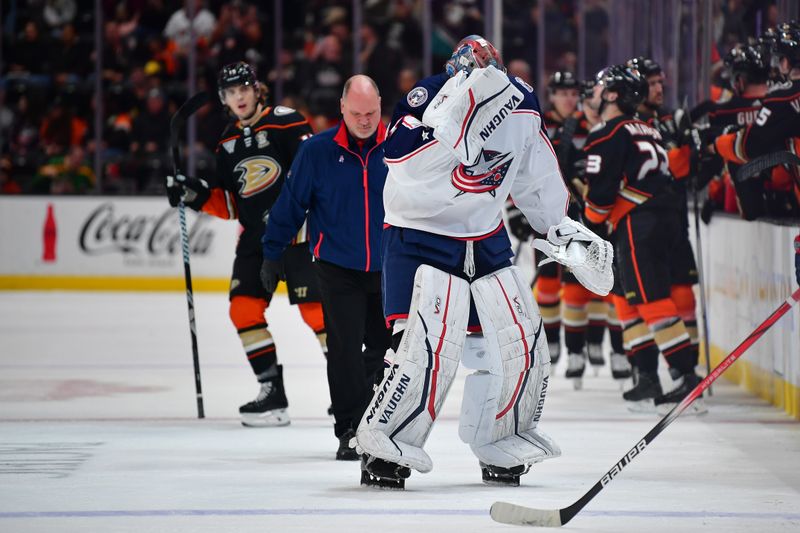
257 174
484 176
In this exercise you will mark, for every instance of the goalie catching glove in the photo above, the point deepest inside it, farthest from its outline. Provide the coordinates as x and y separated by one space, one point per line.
193 191
469 108
588 256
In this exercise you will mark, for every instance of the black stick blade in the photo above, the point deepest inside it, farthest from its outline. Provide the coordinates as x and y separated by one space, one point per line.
183 113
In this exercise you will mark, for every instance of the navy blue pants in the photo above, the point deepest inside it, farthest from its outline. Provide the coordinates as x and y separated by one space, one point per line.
404 250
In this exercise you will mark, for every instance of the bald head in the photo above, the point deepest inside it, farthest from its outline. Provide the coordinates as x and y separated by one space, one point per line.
361 106
360 84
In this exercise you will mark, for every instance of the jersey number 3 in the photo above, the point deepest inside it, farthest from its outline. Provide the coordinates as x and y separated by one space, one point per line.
656 158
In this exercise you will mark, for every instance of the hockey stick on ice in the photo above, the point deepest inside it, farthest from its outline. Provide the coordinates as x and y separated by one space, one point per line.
176 124
509 513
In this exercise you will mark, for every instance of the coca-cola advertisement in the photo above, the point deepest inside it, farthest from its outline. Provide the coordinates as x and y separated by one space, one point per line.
104 237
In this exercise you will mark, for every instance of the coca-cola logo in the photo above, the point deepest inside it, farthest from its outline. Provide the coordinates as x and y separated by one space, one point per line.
105 232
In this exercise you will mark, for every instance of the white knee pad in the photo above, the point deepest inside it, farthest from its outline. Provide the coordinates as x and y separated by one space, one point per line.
401 414
503 401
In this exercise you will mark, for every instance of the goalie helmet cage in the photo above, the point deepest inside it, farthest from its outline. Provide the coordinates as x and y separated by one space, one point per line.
508 513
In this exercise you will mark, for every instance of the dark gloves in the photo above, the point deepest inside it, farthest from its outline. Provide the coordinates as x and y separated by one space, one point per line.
706 211
797 258
270 274
193 191
517 223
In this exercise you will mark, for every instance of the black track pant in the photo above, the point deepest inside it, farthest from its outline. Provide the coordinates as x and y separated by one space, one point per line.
357 339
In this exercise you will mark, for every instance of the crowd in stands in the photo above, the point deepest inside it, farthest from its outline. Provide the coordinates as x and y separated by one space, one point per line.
49 59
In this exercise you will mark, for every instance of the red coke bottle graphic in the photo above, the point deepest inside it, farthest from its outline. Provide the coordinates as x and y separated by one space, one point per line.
49 241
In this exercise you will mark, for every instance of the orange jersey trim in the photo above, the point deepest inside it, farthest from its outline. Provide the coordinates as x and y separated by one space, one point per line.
220 204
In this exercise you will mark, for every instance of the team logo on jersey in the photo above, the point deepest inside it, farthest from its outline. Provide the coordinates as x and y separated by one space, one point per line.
486 175
257 174
417 96
229 145
261 139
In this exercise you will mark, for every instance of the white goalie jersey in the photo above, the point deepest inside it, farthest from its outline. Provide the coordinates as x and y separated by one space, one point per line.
451 167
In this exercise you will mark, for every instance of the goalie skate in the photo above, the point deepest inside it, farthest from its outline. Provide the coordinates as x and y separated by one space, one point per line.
507 477
383 474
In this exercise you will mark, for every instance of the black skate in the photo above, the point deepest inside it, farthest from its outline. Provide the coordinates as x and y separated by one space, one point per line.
641 397
576 365
596 359
269 407
345 452
507 477
383 474
666 402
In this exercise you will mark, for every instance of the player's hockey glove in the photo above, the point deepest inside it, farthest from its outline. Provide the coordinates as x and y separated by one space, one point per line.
585 253
270 274
517 223
193 191
670 135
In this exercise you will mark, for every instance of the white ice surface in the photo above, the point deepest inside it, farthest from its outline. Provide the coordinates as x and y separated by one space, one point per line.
98 432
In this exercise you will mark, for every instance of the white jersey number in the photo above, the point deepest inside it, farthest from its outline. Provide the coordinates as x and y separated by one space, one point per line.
656 158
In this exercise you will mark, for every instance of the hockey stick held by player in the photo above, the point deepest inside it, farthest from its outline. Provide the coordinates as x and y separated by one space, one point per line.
253 154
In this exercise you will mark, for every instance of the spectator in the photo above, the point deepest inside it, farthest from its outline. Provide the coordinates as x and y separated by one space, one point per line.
30 54
380 63
404 32
149 134
65 174
7 183
57 13
178 25
61 129
324 78
519 68
69 57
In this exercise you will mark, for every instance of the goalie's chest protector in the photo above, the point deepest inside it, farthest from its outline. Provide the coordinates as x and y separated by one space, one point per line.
427 188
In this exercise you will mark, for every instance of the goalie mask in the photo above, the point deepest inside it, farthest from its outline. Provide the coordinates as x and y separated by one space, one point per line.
473 51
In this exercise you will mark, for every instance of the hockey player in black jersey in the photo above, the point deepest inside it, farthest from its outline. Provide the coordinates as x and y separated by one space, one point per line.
777 125
630 189
253 155
683 267
747 67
